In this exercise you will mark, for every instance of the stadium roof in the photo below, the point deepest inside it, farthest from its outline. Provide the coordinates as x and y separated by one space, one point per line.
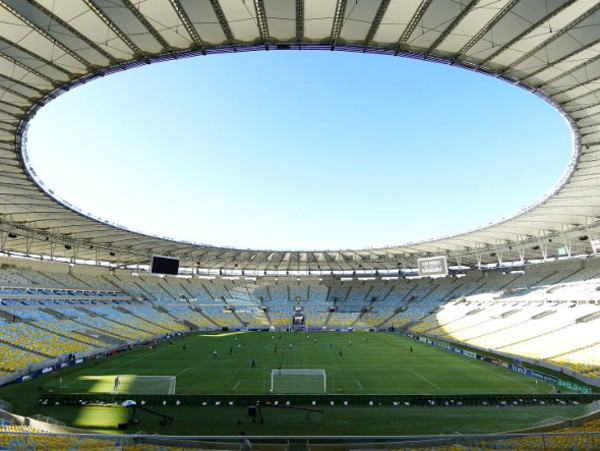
550 47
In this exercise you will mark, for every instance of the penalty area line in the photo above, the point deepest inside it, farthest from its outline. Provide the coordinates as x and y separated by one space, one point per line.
422 377
359 385
73 383
236 385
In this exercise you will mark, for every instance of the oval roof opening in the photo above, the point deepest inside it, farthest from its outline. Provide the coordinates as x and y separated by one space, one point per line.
299 150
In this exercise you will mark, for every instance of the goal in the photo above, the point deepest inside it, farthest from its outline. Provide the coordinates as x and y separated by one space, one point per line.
298 381
146 385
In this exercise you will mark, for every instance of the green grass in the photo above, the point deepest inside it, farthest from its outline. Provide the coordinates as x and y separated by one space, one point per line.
351 420
382 365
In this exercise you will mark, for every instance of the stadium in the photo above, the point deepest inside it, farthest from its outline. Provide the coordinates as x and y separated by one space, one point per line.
114 339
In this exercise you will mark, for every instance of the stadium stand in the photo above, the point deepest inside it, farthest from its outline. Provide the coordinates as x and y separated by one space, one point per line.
534 314
584 435
547 313
526 286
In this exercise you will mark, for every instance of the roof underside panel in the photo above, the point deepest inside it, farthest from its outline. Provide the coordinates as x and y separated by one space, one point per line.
242 21
205 22
36 41
520 18
11 70
563 68
318 20
8 118
164 19
122 18
434 22
582 34
281 19
471 25
13 98
11 51
56 31
88 23
394 22
357 21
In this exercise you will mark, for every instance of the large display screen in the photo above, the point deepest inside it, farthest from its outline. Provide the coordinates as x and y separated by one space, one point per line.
164 265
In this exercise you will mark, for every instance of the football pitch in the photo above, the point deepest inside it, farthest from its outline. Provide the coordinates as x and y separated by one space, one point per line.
209 393
357 363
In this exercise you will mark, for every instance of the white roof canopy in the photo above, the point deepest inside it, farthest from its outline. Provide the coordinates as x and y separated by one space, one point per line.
550 47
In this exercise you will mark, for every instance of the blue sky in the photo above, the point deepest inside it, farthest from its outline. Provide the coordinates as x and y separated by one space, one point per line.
294 150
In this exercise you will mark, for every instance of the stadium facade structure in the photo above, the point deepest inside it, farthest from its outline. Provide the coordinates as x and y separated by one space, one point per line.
47 308
547 314
551 48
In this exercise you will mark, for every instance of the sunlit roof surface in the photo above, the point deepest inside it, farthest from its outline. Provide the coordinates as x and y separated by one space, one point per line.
550 48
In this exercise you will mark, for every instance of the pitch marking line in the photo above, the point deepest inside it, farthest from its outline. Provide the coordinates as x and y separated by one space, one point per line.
73 383
426 380
501 375
236 385
181 372
361 387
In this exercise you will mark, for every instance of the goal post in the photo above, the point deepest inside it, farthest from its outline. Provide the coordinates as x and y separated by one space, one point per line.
146 385
298 381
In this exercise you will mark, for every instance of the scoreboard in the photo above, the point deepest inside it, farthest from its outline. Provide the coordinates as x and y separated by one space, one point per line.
164 265
433 266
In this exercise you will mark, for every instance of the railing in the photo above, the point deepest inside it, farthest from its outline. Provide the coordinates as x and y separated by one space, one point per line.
540 441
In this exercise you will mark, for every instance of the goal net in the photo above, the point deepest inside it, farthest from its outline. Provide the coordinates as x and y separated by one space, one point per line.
298 381
145 385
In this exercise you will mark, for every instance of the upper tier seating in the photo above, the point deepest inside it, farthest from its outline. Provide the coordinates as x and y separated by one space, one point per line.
545 312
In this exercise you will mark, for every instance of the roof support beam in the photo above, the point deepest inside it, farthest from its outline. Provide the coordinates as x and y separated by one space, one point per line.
566 57
142 19
417 16
115 29
458 261
537 24
569 72
383 6
5 110
35 57
338 21
299 22
224 24
481 33
16 93
20 83
261 17
592 92
49 37
567 244
187 23
522 255
553 37
458 19
72 30
29 69
583 83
